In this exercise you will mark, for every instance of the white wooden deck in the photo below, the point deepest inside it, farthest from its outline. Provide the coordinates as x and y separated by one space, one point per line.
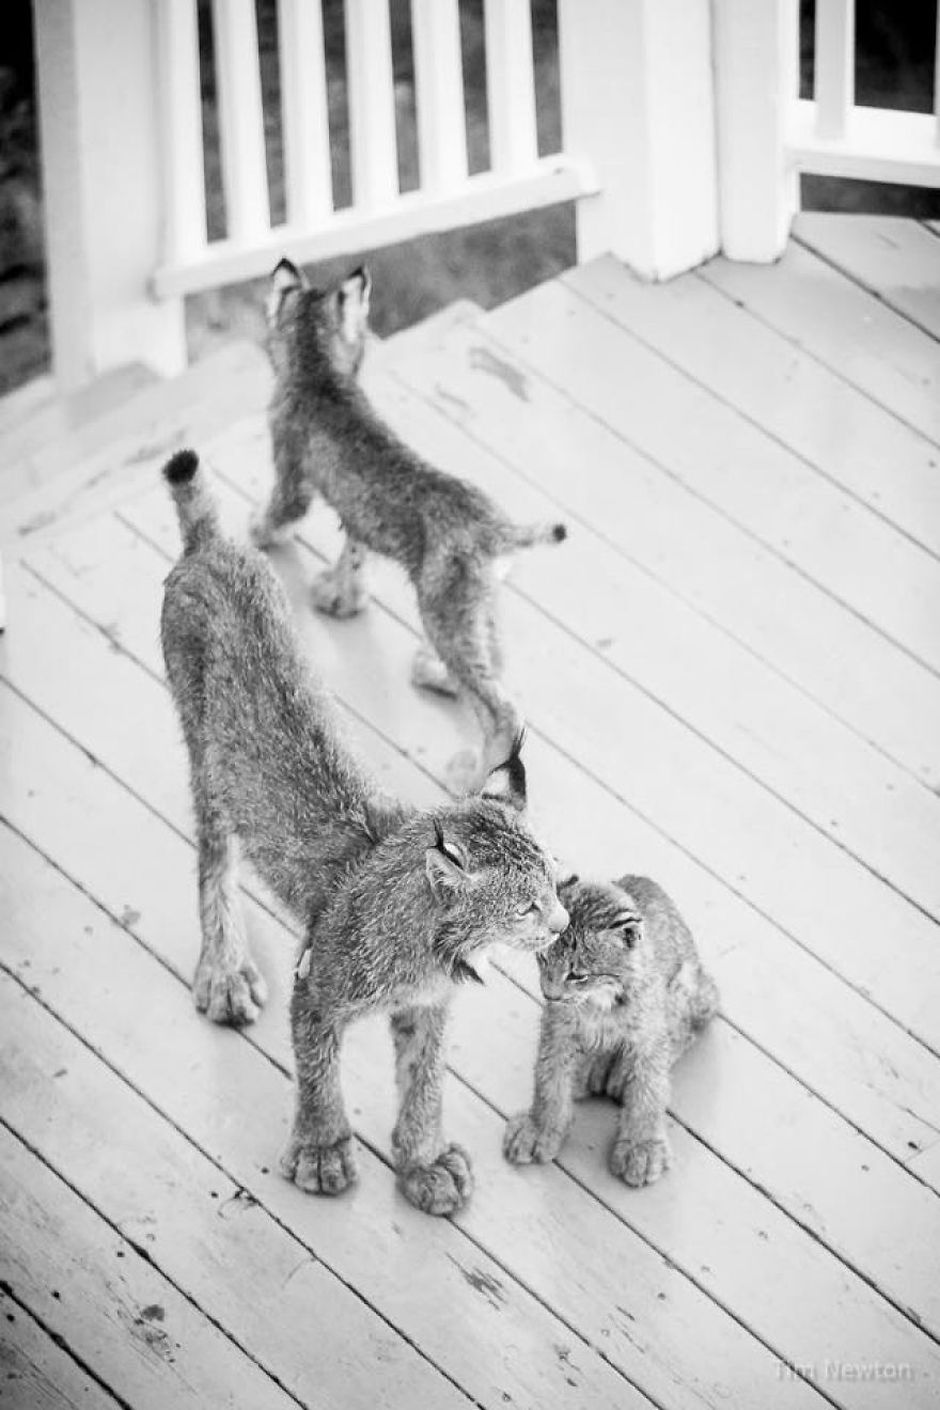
732 677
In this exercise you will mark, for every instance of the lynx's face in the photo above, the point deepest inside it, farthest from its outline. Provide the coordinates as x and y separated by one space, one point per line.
594 961
493 882
328 326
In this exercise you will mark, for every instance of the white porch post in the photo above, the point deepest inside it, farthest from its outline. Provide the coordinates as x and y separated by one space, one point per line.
103 187
637 104
756 79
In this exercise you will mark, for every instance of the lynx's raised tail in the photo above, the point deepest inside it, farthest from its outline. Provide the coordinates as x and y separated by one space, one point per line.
529 535
195 508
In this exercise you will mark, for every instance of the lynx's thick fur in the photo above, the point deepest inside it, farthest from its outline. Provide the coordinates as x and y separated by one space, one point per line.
625 994
398 905
447 535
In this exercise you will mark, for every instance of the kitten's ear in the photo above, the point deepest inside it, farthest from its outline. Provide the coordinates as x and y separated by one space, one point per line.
446 866
507 782
352 302
285 278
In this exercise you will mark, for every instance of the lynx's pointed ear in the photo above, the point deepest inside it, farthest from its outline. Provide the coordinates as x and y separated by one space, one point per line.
446 866
285 278
507 782
352 301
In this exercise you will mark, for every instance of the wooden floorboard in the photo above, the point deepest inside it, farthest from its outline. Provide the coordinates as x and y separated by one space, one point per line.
37 1372
200 1228
756 482
844 326
897 259
841 434
597 479
730 675
112 1307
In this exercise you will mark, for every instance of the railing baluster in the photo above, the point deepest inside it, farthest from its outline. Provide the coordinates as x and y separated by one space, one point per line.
835 66
304 111
442 130
936 78
373 145
241 119
510 85
181 118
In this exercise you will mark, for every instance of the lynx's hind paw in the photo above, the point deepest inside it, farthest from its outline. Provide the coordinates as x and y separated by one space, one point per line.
335 598
443 1187
639 1163
320 1170
230 994
524 1142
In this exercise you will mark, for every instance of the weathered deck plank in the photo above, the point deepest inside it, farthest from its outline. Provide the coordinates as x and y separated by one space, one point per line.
201 1230
37 1373
733 465
852 332
112 1308
598 480
840 433
897 259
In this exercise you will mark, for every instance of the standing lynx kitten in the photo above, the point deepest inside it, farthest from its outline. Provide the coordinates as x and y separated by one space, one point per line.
398 905
625 994
327 439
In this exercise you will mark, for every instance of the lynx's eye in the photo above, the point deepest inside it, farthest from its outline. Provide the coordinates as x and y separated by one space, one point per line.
527 908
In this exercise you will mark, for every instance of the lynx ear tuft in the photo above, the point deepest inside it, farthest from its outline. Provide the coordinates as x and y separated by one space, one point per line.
285 279
507 782
446 867
286 276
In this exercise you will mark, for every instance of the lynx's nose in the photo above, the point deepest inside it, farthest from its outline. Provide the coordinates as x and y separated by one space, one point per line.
558 919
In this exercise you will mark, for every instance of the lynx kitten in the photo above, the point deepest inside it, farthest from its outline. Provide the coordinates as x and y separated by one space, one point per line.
625 994
327 439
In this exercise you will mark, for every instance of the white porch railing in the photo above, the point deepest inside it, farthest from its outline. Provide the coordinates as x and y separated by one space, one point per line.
683 134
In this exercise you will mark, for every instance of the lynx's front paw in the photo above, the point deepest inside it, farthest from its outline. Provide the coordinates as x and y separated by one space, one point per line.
443 1187
229 994
320 1170
337 598
524 1142
640 1162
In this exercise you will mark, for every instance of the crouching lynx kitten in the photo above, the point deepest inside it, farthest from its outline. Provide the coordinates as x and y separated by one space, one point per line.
446 534
398 905
625 994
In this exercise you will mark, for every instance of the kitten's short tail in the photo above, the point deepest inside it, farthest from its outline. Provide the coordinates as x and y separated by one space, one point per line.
197 513
528 535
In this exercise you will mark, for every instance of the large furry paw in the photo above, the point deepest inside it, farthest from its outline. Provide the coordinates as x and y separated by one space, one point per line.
443 1187
640 1162
335 598
428 672
320 1170
463 773
229 994
262 532
524 1142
